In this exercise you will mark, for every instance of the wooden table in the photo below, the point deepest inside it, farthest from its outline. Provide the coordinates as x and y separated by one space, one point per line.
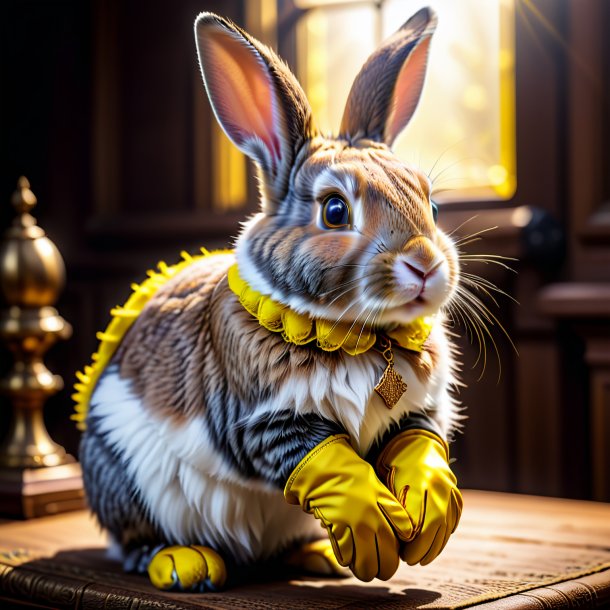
509 552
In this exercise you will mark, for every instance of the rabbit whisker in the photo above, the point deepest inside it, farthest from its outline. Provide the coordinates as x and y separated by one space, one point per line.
350 283
429 173
328 305
484 316
372 325
340 319
378 245
477 325
480 282
471 235
454 231
481 258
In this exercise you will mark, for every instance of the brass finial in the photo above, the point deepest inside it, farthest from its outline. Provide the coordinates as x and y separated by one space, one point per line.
23 199
32 274
24 224
32 271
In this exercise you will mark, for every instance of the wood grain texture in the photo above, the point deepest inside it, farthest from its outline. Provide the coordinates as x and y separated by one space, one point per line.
509 552
575 300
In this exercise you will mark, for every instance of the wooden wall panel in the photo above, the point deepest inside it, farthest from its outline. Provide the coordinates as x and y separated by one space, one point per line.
103 109
538 418
597 357
587 141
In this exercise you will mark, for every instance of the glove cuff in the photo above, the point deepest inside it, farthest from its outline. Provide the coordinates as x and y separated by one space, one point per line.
402 440
309 468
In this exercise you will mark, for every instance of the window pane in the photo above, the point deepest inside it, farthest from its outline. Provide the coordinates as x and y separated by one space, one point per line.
463 132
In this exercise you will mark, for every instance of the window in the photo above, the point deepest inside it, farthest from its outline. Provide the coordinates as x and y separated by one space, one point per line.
463 133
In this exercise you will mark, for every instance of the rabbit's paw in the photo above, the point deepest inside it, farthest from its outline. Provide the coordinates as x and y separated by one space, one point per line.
318 558
138 559
187 568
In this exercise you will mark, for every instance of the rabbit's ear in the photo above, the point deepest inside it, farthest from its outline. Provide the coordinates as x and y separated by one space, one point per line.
387 89
256 99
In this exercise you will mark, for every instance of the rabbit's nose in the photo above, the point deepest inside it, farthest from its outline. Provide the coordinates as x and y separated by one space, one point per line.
423 271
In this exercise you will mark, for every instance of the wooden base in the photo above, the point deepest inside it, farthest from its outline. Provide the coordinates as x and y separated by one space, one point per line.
39 492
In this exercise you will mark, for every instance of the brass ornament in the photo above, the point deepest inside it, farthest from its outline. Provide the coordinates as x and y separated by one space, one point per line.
391 386
32 274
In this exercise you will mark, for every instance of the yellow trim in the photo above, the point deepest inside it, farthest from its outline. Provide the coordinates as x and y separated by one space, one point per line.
122 319
329 336
507 187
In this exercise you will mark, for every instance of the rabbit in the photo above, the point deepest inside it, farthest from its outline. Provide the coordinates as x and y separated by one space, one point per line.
237 385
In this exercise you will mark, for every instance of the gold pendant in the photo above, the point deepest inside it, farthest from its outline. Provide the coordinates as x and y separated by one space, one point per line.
391 386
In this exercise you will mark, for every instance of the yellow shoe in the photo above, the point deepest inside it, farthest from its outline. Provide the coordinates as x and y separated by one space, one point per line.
187 568
318 558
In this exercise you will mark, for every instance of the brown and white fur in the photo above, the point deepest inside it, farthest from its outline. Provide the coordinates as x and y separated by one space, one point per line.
188 424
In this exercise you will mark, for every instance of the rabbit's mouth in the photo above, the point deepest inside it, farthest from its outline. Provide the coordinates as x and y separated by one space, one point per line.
393 295
417 289
404 304
406 313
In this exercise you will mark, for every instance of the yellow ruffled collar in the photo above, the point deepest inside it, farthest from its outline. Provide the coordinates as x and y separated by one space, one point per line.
329 336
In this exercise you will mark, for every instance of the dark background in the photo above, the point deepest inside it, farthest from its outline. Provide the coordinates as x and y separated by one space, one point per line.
102 108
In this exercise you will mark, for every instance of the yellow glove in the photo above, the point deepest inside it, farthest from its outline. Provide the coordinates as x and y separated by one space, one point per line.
414 466
361 516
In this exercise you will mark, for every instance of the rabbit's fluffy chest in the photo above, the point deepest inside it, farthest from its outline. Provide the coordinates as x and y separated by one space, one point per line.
346 394
353 401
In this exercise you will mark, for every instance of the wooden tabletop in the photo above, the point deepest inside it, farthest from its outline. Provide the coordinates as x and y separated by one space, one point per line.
509 551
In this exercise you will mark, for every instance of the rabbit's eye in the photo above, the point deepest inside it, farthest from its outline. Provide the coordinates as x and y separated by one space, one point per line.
335 212
434 211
